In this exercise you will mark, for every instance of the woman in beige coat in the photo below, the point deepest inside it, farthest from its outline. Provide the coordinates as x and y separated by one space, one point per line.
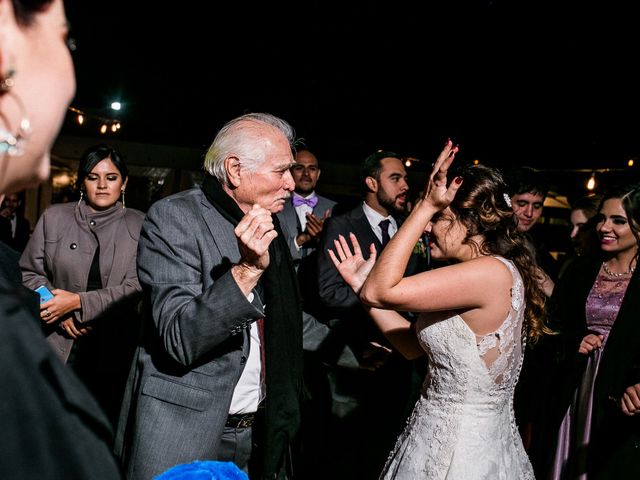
85 253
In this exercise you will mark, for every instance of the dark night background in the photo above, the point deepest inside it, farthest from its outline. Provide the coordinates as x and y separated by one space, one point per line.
549 84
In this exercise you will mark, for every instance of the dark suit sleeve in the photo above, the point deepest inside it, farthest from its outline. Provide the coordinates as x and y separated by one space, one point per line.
333 290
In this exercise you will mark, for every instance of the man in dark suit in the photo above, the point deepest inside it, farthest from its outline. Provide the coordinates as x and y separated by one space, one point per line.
207 383
14 228
382 391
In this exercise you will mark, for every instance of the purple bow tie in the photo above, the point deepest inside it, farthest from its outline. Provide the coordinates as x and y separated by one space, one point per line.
298 200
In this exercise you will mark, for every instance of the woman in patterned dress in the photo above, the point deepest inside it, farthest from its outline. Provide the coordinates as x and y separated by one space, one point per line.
596 306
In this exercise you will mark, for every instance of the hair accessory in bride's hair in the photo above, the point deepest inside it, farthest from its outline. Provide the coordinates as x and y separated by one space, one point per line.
507 199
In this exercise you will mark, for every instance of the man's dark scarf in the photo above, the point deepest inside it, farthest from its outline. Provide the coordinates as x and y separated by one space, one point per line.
283 336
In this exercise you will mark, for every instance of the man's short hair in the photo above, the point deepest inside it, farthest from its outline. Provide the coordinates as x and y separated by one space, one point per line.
371 166
526 180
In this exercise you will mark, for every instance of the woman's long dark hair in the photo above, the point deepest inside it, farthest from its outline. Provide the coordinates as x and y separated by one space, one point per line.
482 205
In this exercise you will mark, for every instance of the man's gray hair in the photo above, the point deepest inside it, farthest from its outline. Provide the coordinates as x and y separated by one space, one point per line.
238 138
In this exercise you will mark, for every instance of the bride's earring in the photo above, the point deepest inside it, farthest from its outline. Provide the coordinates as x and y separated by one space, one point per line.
81 197
122 197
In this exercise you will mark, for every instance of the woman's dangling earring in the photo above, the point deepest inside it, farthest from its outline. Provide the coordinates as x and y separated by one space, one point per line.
81 197
13 145
122 197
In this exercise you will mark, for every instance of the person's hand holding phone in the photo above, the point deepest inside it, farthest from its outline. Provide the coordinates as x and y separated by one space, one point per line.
56 304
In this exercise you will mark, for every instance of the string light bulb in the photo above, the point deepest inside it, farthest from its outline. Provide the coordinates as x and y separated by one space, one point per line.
106 124
630 162
591 183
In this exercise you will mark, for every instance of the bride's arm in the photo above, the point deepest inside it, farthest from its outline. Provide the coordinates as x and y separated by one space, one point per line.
354 270
381 287
399 331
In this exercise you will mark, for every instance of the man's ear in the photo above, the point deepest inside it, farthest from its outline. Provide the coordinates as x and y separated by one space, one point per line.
232 168
371 183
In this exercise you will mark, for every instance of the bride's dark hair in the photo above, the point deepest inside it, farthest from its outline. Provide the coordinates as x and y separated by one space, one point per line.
483 206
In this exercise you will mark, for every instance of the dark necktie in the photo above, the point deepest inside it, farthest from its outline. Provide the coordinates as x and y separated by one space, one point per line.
384 226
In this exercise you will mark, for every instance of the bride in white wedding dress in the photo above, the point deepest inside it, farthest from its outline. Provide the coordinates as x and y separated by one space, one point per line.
476 316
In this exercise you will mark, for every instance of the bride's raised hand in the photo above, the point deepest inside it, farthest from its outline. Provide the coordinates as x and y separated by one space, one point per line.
436 192
353 268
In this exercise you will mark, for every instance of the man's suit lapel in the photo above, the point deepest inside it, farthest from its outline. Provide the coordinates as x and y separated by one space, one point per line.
364 232
322 206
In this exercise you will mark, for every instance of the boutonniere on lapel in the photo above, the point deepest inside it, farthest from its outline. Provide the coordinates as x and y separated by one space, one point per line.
420 248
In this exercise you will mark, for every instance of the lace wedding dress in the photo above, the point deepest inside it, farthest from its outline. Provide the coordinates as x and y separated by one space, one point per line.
463 426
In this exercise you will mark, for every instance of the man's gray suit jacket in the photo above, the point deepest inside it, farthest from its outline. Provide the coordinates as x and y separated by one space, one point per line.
195 343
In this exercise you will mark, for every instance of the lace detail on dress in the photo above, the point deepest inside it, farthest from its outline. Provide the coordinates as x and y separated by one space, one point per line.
463 425
502 348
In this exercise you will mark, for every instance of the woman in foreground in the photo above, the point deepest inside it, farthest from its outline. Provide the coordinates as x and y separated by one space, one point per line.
476 316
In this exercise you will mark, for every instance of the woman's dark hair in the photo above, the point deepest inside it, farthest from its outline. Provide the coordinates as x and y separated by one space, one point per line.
630 197
482 205
94 155
588 205
26 10
586 241
525 180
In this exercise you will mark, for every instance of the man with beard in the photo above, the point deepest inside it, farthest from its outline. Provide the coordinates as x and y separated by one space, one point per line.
372 401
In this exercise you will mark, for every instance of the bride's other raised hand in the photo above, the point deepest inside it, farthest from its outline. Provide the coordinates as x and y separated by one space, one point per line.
353 268
436 193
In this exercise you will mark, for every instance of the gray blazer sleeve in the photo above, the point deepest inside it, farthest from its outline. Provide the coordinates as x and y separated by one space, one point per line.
32 261
196 303
333 290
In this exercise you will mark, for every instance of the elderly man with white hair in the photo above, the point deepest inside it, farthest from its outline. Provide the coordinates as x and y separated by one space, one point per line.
219 366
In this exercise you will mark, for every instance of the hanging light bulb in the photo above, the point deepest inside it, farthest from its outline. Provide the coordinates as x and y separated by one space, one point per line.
630 162
407 162
114 127
476 161
591 183
80 119
103 128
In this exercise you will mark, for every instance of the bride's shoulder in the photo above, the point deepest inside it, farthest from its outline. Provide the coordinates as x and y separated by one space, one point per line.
491 267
